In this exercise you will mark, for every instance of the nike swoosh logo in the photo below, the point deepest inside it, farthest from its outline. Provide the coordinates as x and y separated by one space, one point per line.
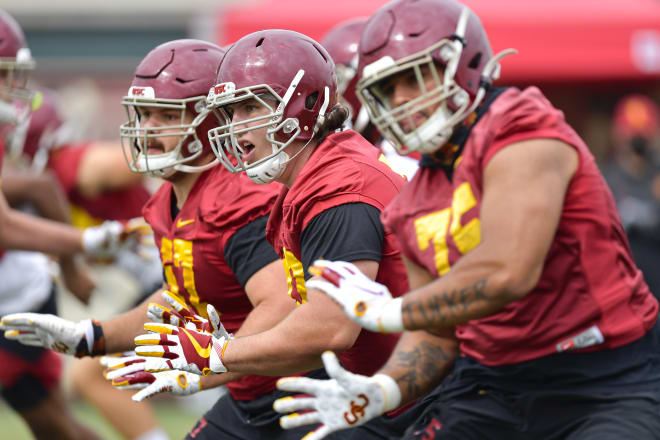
182 223
203 352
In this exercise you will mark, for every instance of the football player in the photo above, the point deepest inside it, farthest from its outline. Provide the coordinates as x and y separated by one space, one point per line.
94 177
276 97
29 191
22 231
342 42
210 227
29 376
525 299
99 186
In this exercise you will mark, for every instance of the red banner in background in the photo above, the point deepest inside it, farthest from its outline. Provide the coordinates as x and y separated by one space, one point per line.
557 41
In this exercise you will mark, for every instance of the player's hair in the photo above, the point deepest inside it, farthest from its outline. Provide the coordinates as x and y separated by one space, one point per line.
334 120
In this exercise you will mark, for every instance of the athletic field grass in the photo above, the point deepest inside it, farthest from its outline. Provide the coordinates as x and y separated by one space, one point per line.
171 416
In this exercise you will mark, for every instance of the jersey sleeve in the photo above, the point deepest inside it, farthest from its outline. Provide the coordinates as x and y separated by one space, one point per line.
348 232
520 116
247 250
65 162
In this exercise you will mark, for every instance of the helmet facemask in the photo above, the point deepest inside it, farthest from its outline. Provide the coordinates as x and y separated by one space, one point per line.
16 100
135 138
445 102
280 132
344 75
14 74
345 79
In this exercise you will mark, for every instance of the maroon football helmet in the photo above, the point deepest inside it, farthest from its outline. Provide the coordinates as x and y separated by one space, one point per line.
15 60
175 75
45 131
291 75
342 42
441 37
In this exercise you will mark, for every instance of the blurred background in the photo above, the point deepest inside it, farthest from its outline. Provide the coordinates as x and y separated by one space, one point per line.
584 55
596 60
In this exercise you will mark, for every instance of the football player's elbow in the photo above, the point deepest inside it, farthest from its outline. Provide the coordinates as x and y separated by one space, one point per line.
341 337
515 282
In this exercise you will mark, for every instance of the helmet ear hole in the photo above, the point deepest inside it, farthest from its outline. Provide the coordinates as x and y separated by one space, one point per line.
311 99
475 61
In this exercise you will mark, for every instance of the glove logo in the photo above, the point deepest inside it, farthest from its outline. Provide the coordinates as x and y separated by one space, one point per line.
357 411
60 347
181 379
203 352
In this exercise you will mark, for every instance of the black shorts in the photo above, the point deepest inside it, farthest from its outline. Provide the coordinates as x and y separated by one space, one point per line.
256 419
387 427
249 420
532 416
606 395
28 374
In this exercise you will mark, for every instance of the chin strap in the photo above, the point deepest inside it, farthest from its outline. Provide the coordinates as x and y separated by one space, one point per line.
269 170
273 167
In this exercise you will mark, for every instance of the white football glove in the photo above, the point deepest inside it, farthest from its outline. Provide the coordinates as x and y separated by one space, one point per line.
344 401
127 372
84 338
180 348
365 301
181 315
104 240
122 364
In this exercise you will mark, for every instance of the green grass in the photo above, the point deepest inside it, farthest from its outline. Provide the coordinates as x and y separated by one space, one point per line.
171 417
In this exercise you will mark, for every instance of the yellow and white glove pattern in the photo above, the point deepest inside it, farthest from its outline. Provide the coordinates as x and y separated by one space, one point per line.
127 372
181 315
180 348
84 338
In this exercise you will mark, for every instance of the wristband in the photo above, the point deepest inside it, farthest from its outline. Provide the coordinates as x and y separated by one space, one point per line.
92 342
391 319
391 392
90 240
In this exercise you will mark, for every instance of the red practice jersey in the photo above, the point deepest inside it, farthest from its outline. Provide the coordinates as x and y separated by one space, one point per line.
343 169
119 204
192 249
2 158
2 152
590 293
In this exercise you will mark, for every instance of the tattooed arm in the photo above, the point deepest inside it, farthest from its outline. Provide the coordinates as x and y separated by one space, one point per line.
420 361
523 195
